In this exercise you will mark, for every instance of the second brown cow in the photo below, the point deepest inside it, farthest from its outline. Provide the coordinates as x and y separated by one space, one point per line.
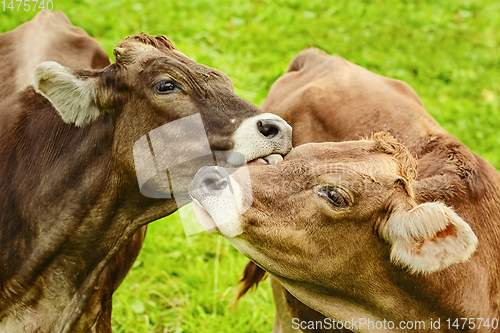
361 232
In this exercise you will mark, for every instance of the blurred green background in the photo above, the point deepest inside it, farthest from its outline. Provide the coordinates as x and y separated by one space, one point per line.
448 51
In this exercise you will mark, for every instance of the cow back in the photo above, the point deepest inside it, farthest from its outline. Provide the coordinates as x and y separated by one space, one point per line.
48 36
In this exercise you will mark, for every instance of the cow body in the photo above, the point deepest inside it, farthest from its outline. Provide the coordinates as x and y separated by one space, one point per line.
344 266
51 36
73 217
48 36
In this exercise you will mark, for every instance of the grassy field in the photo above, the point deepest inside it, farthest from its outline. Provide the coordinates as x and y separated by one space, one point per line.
447 50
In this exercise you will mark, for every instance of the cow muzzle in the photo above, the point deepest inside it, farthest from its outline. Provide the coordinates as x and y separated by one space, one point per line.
220 196
260 136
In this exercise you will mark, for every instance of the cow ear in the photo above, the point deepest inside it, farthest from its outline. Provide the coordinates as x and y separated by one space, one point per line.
72 95
428 238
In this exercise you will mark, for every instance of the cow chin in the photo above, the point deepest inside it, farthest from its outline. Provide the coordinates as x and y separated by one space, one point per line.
210 215
205 219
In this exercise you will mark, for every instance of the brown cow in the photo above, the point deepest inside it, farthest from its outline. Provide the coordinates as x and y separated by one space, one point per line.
404 252
71 199
53 37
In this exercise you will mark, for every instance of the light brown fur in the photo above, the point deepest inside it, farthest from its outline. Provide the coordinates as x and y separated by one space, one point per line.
327 98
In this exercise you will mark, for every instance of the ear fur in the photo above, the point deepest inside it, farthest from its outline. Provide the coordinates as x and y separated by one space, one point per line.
72 96
429 238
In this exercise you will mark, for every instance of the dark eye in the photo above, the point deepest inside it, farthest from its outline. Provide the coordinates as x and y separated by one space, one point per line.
334 195
165 87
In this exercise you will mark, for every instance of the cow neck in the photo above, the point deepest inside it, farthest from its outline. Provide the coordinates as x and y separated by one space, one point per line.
67 215
414 303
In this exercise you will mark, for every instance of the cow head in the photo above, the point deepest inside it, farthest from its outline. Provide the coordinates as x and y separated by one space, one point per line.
153 84
336 218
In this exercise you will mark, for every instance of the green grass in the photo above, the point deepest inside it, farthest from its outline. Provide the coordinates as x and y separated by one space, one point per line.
447 50
186 284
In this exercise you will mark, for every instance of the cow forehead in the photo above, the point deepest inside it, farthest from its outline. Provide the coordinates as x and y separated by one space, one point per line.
342 158
330 150
378 168
137 52
139 56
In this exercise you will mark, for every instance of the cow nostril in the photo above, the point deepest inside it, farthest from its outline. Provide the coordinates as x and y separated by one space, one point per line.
213 185
210 181
268 127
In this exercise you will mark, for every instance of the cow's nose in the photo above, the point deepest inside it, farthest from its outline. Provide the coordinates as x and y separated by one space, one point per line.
269 127
261 135
210 181
272 130
214 185
218 200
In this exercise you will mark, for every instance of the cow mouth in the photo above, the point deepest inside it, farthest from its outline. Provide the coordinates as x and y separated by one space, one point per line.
267 160
204 218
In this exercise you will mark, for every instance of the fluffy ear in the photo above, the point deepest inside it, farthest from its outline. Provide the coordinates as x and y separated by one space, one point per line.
429 238
71 95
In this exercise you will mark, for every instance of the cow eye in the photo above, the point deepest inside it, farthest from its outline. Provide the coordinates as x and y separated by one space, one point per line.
334 195
165 87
